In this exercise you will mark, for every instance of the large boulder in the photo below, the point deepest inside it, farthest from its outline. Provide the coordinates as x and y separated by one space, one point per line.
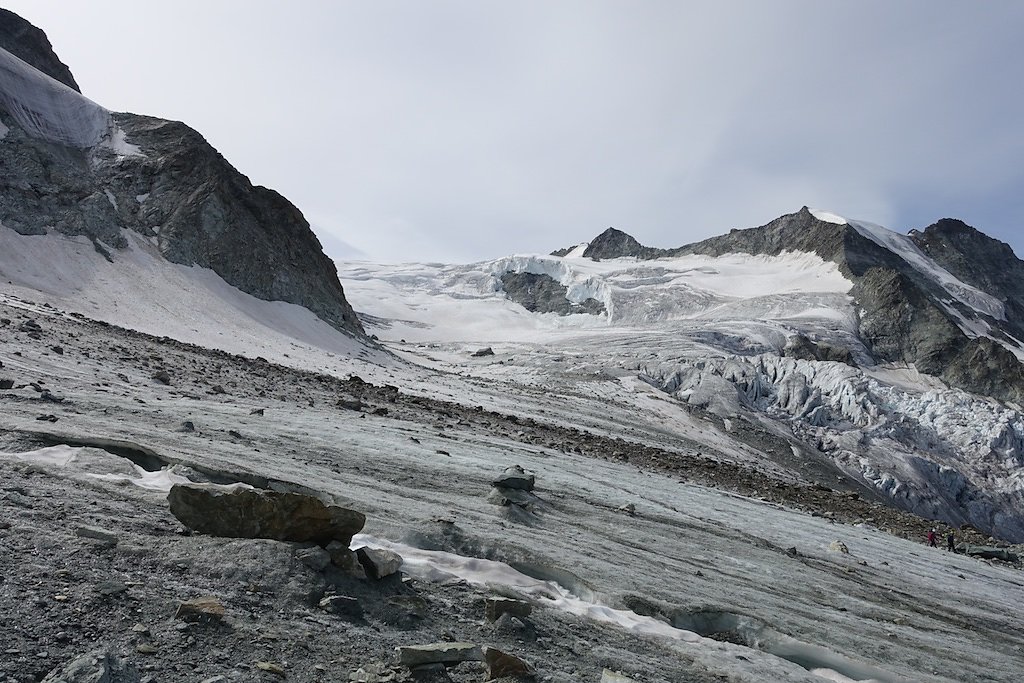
242 512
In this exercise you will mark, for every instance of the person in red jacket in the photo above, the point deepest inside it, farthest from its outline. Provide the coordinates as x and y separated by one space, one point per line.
931 538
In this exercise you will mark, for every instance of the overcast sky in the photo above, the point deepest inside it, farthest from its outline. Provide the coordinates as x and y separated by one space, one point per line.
459 131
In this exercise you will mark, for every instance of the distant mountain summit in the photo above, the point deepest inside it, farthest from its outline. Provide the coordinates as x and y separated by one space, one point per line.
949 299
69 166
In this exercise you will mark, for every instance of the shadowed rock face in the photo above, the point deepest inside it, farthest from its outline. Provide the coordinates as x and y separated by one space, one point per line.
31 45
902 315
176 190
543 294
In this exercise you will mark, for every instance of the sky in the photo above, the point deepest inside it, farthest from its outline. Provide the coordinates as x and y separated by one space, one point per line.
457 131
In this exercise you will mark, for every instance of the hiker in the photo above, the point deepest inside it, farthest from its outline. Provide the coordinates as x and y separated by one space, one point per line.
931 538
950 542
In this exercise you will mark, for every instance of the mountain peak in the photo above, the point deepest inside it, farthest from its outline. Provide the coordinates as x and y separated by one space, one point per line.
30 44
613 243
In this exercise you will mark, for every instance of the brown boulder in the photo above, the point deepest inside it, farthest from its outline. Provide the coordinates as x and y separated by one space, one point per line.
242 512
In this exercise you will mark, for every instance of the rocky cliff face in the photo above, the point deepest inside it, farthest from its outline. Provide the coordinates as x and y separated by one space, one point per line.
31 45
162 180
905 314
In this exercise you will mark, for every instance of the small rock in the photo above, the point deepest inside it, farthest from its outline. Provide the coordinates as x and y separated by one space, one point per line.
350 404
206 609
271 667
111 588
256 411
316 558
608 676
47 395
145 649
141 629
217 389
495 607
6 384
439 653
838 547
342 605
378 562
162 376
515 477
791 551
97 534
629 509
59 350
344 558
47 418
480 353
188 426
501 664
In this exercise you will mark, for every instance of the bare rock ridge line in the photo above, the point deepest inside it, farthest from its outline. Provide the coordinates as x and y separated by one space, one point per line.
165 182
907 317
30 44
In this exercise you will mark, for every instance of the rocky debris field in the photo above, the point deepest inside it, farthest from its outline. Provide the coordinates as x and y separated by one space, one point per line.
99 575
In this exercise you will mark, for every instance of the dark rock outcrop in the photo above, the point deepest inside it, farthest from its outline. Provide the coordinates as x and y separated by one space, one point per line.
242 512
614 243
543 294
31 45
165 182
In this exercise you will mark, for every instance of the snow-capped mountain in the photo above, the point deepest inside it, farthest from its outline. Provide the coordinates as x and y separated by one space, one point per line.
875 367
662 465
71 169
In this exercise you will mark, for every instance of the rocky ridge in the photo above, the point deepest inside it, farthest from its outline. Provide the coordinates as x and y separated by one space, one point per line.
905 316
164 181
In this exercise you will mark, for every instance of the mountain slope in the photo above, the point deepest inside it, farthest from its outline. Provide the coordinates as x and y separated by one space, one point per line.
68 166
912 309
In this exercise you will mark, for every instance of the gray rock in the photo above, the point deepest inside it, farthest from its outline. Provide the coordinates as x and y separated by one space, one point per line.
480 353
838 547
99 666
515 477
241 512
316 558
379 562
98 534
6 384
496 607
439 653
342 605
609 676
987 552
344 558
162 376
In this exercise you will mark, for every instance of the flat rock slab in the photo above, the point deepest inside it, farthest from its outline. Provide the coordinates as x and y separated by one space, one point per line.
241 512
439 653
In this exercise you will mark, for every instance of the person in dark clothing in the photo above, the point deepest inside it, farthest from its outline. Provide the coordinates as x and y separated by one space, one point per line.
950 542
931 538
